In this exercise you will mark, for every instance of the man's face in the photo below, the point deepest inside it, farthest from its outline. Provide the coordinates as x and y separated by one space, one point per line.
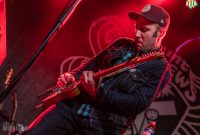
146 34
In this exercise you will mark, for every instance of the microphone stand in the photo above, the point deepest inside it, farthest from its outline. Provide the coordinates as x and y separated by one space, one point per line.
63 19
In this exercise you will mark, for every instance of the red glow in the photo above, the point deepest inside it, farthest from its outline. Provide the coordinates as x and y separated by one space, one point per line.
2 31
42 115
105 30
160 2
73 7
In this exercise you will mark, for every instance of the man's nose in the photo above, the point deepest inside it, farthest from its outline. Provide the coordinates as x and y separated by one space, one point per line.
137 33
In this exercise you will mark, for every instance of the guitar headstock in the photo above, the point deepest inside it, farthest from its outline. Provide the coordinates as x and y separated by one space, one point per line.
9 76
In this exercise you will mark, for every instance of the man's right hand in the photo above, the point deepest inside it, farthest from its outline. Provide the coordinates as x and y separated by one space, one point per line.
65 79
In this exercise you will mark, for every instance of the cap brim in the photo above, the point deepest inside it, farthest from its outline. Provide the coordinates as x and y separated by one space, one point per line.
134 15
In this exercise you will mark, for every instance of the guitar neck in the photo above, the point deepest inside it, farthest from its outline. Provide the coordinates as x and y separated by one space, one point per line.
127 65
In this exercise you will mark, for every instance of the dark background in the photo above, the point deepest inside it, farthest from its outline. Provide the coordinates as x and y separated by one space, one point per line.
93 25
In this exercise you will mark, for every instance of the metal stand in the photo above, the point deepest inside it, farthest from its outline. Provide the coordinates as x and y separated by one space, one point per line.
32 59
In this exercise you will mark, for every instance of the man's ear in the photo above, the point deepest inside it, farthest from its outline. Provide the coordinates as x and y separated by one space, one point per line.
160 33
157 33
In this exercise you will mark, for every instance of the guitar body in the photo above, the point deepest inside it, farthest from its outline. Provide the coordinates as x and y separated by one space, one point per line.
62 94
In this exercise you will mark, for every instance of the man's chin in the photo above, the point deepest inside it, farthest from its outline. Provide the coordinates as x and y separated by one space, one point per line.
139 46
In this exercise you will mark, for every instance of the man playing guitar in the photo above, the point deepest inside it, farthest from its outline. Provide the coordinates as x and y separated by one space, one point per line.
108 104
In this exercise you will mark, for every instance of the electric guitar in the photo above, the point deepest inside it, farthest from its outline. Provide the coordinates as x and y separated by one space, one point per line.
73 90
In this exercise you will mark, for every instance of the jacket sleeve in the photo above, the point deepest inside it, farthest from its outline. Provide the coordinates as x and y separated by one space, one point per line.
131 103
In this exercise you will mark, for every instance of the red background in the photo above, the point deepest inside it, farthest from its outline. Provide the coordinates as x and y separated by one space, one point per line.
93 25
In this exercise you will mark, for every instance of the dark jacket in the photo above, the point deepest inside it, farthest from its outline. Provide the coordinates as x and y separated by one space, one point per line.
126 94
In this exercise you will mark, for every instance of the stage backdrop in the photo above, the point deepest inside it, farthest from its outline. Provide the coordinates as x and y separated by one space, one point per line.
92 26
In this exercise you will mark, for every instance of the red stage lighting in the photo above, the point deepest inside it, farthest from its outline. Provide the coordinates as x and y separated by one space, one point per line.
2 31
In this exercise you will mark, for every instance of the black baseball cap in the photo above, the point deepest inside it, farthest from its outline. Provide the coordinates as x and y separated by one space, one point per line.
153 13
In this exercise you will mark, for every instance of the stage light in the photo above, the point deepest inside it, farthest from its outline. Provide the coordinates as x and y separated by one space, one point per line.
191 3
2 31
